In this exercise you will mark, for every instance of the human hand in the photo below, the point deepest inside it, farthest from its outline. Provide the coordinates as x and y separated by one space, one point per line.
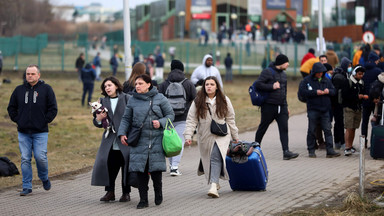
156 124
123 140
276 85
326 91
365 97
361 96
319 92
101 116
188 142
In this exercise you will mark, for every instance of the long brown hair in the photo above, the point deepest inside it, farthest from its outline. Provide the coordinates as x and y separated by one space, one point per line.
221 102
115 81
137 70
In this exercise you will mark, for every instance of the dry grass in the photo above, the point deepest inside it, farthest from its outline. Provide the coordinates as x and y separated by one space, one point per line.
73 140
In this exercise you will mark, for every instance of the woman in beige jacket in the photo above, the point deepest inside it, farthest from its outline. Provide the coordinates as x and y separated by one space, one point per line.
212 148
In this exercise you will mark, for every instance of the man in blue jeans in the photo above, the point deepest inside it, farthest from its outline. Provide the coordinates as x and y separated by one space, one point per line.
317 89
32 106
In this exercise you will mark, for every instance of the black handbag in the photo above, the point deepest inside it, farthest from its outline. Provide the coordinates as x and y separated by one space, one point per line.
135 132
216 128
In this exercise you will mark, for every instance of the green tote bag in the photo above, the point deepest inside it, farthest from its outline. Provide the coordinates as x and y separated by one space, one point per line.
171 141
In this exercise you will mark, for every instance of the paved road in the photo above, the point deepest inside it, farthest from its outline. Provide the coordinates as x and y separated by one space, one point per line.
295 183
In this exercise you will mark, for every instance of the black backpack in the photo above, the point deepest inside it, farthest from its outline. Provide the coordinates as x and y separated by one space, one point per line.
7 168
300 95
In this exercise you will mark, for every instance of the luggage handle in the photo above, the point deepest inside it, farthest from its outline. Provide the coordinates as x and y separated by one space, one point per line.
262 163
382 113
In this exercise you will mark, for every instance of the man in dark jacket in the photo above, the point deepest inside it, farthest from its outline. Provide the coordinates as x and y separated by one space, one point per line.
339 79
318 89
114 63
177 75
353 94
32 106
88 76
274 80
80 64
159 66
228 68
370 75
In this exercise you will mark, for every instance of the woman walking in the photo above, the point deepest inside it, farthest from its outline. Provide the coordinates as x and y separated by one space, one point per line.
112 154
211 104
149 109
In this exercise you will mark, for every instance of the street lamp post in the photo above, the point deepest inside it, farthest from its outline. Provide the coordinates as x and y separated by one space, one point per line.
181 18
234 17
305 20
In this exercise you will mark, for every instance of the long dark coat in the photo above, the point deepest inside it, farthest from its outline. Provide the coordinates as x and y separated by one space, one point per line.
100 176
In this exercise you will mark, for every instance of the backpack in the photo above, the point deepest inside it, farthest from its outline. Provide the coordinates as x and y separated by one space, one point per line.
338 72
177 97
258 97
111 61
300 95
7 168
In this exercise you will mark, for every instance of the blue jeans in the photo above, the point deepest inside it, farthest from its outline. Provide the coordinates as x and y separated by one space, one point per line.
315 117
36 143
179 127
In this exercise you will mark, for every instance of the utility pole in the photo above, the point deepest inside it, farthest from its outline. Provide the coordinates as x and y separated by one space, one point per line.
127 40
321 38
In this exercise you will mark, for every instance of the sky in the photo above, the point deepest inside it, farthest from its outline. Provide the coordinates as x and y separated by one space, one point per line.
114 4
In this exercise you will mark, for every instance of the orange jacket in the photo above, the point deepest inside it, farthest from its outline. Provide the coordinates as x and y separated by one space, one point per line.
357 57
307 66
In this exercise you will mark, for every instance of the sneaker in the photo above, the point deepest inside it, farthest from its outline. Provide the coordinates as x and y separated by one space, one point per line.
25 192
289 155
347 152
47 185
353 150
332 154
175 172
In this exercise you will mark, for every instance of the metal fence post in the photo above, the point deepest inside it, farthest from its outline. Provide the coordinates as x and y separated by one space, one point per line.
241 58
362 166
295 64
16 67
268 54
62 55
38 53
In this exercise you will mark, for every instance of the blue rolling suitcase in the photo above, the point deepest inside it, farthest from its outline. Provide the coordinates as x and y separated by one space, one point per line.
248 175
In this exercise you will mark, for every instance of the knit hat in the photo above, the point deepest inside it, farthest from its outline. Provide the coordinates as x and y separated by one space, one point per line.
372 57
176 64
311 50
281 59
318 68
328 66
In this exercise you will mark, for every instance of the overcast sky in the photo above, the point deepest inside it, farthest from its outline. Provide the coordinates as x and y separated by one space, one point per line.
114 4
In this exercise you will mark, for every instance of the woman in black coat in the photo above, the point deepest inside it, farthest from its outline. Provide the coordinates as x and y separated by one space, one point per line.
112 154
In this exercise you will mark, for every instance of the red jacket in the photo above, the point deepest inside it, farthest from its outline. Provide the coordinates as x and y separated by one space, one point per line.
306 57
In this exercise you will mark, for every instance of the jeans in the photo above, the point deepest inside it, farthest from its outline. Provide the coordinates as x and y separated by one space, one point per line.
87 87
98 72
270 112
216 164
179 127
36 143
314 118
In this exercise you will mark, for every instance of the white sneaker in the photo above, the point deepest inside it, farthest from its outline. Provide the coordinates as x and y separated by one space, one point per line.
175 172
347 152
213 191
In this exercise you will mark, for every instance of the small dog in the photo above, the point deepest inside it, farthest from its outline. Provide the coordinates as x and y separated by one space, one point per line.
97 108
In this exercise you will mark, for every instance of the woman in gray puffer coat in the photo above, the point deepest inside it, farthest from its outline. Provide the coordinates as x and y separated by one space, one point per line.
152 109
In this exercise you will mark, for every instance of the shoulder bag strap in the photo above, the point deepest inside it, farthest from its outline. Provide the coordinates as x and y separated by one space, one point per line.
150 108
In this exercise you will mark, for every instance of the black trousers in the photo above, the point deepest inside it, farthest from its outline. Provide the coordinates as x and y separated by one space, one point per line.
115 162
144 180
270 112
367 111
338 128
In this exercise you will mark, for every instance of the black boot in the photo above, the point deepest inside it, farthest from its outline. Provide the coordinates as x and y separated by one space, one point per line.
158 197
142 204
289 155
143 199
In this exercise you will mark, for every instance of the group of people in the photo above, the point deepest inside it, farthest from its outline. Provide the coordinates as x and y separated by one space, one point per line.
347 94
141 102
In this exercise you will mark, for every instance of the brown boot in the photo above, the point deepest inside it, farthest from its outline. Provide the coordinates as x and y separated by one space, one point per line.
109 196
125 198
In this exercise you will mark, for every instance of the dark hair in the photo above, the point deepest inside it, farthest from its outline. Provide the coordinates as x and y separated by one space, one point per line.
115 81
323 56
311 50
138 69
221 102
146 79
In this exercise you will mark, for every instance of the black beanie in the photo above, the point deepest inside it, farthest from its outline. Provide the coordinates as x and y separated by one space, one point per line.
328 66
176 64
281 59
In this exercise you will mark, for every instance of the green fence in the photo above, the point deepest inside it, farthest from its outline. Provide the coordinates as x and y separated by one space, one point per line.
248 57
